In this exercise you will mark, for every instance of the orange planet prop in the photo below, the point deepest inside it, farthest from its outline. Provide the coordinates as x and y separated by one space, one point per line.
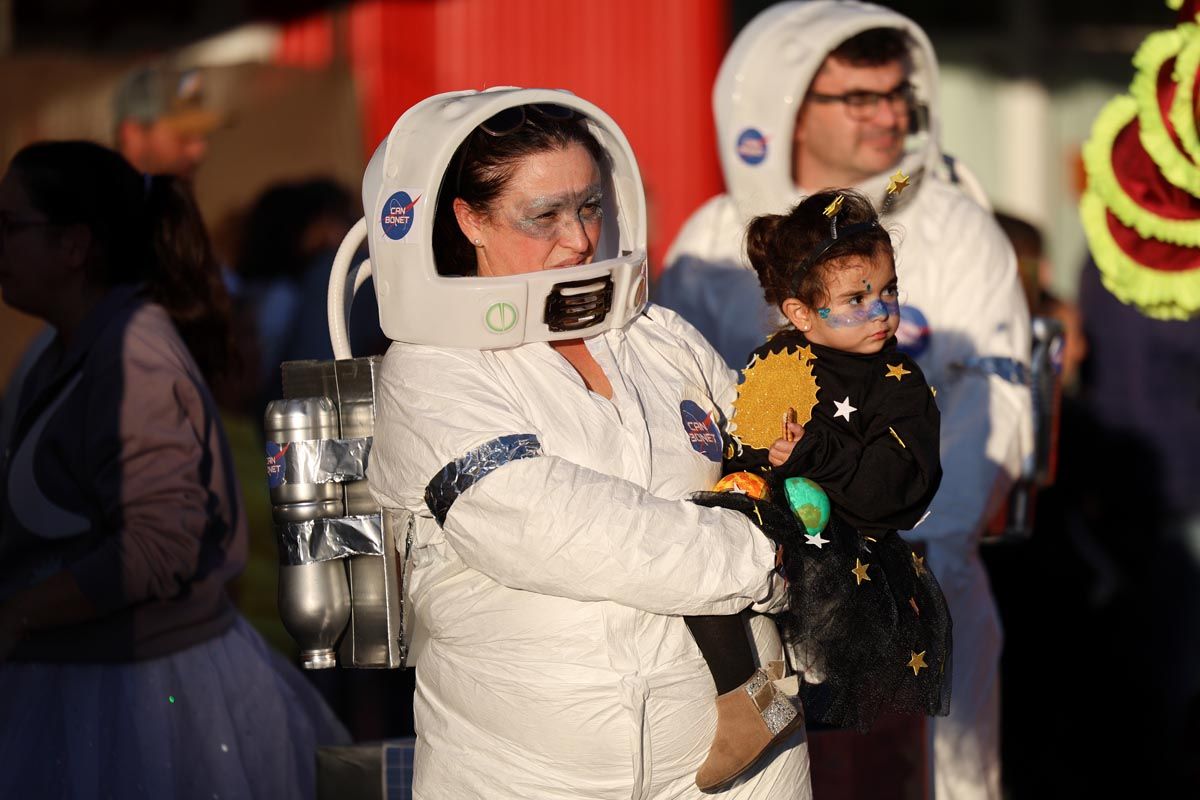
744 483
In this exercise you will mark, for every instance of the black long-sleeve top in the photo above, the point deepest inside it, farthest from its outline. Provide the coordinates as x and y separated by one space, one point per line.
872 439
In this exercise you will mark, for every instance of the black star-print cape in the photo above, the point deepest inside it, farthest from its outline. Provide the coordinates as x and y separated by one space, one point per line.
867 624
878 460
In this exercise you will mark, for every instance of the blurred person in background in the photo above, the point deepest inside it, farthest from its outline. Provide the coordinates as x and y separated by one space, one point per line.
127 670
819 94
162 120
287 246
1034 268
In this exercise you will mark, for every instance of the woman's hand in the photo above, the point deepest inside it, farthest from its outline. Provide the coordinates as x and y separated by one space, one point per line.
781 450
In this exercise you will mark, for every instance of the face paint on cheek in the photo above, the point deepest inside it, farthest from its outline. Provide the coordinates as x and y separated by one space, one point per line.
846 319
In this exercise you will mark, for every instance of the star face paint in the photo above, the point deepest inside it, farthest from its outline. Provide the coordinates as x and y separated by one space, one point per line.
860 313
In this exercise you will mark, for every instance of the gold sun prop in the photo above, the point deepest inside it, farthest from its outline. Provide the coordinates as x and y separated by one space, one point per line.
771 386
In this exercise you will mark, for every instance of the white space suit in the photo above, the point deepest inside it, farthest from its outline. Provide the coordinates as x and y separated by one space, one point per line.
963 318
554 550
554 663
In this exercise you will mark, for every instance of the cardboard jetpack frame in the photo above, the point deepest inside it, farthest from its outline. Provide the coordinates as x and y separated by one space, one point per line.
374 563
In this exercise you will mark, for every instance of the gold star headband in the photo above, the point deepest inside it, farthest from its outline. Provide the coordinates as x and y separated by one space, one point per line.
831 211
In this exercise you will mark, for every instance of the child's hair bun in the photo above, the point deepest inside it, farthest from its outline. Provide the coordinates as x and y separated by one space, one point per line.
779 246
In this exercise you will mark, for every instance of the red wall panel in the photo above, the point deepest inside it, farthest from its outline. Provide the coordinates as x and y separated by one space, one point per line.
650 65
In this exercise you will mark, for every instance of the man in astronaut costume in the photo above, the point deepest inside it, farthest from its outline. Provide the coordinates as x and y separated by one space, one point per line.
963 316
554 551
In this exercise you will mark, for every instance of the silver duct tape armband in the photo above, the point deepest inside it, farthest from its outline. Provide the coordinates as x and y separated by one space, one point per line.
310 541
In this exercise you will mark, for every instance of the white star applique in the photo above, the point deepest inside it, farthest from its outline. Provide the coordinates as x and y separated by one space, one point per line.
844 409
816 540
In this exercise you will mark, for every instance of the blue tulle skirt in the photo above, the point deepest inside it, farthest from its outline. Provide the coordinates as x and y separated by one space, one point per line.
228 718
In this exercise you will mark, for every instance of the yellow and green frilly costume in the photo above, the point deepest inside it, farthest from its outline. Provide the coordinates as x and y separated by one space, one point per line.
1141 208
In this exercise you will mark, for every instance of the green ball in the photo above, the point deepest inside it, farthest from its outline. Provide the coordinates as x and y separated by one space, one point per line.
809 503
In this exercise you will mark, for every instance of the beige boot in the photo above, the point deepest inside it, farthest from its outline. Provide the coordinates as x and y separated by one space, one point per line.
750 719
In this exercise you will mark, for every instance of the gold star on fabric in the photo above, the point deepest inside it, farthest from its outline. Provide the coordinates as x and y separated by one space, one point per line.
917 662
834 207
806 354
898 439
933 391
898 183
860 572
896 371
919 564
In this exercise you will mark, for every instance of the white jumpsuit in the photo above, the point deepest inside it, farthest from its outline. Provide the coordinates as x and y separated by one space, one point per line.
961 307
553 662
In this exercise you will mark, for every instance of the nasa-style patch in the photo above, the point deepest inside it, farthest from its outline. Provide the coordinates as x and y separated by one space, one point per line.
276 464
752 146
912 336
702 429
398 214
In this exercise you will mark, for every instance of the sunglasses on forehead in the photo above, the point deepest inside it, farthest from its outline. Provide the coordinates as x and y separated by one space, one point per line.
508 121
511 119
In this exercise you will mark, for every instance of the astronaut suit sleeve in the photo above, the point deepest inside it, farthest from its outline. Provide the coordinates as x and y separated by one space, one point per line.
985 405
534 520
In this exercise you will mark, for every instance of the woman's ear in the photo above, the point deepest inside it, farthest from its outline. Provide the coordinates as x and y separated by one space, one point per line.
470 222
797 313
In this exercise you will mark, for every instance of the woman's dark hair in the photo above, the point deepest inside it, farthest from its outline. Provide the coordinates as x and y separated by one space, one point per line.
781 245
143 229
484 163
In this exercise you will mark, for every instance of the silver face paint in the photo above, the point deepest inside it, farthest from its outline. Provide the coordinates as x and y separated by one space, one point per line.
550 217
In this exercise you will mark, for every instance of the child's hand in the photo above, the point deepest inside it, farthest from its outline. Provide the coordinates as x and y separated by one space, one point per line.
781 450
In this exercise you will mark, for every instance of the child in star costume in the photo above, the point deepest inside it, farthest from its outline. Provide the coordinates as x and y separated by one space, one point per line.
831 399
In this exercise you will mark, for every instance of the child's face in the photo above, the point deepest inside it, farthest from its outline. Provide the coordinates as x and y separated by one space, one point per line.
862 310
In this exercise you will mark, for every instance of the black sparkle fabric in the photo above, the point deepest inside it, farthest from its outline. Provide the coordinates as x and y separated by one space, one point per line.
866 617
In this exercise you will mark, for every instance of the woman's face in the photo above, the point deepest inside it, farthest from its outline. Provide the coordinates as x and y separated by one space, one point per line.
33 272
547 217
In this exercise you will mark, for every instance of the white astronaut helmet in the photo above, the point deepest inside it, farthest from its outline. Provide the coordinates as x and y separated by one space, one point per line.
417 304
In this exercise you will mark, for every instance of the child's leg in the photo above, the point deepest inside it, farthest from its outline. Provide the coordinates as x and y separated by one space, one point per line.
725 645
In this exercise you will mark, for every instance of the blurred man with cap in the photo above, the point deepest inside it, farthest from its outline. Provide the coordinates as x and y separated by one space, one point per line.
162 120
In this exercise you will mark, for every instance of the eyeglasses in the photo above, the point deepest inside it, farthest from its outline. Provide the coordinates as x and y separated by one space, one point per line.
862 105
508 121
10 225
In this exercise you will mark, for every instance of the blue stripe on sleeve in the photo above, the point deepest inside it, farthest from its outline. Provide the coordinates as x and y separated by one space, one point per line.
460 475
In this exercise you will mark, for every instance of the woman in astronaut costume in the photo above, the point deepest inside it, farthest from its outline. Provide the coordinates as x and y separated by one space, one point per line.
544 426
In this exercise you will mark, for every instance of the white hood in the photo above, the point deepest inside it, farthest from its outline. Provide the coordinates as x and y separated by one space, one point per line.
762 83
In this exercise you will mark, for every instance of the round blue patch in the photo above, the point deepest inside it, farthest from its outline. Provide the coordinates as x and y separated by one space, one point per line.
276 464
912 336
752 146
398 215
702 430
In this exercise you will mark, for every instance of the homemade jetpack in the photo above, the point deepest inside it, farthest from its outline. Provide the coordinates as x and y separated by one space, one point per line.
343 558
